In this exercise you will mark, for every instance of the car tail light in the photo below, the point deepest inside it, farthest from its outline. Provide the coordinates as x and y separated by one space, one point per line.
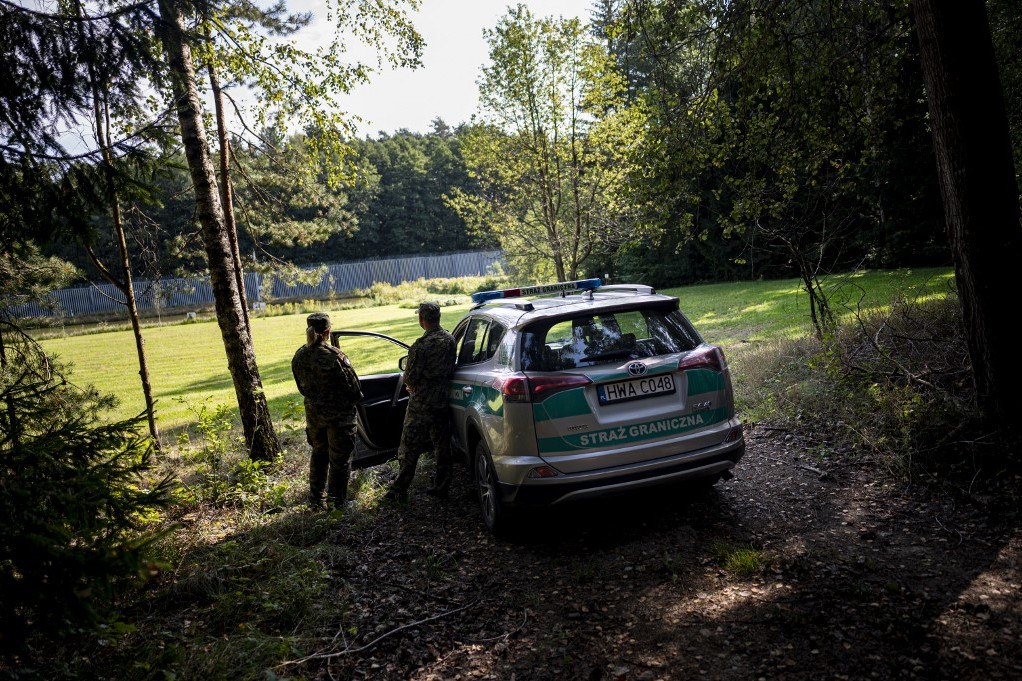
543 472
513 388
536 387
542 386
709 356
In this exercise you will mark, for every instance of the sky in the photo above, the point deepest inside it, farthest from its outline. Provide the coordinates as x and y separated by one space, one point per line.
454 52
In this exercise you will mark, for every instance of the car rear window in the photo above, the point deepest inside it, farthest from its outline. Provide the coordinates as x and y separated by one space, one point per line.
602 337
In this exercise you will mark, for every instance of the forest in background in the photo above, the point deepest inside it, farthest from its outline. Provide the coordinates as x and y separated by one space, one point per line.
816 153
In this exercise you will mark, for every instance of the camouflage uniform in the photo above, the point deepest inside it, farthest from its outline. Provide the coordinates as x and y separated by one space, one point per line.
330 385
428 419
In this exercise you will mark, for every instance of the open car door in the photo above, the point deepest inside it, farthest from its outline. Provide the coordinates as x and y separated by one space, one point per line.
381 412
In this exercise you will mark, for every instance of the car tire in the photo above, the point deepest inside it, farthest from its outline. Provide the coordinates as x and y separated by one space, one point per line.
494 512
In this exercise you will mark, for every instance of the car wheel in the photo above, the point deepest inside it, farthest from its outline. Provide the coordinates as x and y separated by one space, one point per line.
494 512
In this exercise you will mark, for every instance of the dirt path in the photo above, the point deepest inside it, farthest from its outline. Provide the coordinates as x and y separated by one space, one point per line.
858 578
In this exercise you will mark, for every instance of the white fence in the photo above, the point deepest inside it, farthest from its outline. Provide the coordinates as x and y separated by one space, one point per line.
165 294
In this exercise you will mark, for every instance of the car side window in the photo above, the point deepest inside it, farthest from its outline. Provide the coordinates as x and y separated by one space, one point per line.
506 351
459 331
472 342
494 335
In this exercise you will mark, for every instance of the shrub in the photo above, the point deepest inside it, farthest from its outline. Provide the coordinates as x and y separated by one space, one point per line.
74 504
444 291
893 384
223 478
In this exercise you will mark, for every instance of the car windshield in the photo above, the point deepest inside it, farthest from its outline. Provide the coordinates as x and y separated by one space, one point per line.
601 337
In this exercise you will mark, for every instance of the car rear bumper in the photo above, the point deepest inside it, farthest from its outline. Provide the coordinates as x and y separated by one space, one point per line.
708 462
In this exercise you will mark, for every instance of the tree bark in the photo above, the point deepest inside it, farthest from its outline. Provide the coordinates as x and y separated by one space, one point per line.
255 415
126 285
980 193
226 191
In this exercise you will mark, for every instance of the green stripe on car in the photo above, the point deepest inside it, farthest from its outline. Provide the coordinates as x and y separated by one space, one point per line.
561 405
704 381
637 432
486 400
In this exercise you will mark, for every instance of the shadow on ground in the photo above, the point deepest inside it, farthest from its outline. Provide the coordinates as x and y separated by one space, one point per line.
796 569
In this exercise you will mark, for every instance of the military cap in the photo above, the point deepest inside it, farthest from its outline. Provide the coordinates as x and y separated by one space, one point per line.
429 311
320 321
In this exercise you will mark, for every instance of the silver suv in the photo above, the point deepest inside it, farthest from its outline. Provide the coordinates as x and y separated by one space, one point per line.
601 391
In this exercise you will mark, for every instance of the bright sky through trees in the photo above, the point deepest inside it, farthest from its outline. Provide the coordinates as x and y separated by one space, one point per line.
445 85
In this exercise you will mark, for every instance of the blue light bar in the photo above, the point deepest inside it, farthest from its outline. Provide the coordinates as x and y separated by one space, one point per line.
540 289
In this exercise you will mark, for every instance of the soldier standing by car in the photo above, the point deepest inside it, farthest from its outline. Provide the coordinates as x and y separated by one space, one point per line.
427 421
331 389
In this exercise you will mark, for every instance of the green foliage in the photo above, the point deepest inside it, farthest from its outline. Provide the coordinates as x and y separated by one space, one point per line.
399 196
411 293
77 506
244 598
26 275
893 385
293 415
299 89
552 156
782 139
284 198
309 306
64 56
286 208
221 478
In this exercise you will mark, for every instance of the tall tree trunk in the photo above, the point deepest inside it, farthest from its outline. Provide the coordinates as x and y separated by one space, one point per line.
226 191
136 327
12 413
125 285
255 415
980 194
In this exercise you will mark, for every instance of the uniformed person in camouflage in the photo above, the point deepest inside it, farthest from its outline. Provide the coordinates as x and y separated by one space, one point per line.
327 380
428 420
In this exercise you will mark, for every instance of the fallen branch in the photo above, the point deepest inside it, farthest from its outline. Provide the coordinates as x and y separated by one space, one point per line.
949 531
506 635
810 468
352 651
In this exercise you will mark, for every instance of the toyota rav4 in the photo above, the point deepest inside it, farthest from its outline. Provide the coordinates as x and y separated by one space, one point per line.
582 392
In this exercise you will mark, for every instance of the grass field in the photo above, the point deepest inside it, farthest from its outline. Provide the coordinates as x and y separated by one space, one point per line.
188 365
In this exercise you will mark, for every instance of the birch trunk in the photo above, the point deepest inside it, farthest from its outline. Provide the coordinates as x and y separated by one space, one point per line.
255 415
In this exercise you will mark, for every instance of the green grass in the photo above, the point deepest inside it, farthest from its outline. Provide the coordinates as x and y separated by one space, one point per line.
742 561
188 364
749 312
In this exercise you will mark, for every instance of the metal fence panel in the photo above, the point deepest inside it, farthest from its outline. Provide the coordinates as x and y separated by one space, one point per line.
196 292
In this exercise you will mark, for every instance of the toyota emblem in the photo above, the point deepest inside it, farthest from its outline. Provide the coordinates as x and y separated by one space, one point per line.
636 368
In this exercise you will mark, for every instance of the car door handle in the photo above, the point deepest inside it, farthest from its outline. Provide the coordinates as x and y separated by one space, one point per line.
466 389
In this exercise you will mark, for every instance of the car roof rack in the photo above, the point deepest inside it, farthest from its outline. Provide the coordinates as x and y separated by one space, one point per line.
561 287
638 289
523 305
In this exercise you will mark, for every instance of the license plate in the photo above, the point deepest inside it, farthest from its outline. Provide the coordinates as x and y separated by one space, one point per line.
636 389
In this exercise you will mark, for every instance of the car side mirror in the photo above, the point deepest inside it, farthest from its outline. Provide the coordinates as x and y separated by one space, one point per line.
402 363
